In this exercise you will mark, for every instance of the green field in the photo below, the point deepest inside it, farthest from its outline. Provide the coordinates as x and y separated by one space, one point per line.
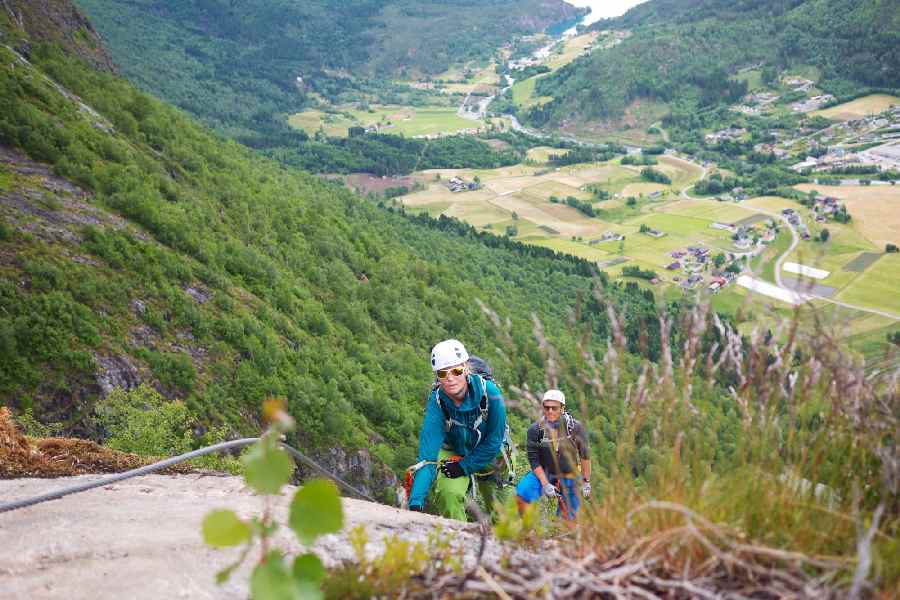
753 79
403 120
523 94
878 287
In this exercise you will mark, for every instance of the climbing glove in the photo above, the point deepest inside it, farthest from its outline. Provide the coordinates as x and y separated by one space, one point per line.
452 469
549 490
586 489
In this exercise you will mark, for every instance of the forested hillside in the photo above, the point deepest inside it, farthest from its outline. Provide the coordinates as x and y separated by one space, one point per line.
136 246
236 65
684 52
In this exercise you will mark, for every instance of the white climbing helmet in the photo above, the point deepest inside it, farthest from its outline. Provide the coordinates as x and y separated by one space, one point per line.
448 353
555 395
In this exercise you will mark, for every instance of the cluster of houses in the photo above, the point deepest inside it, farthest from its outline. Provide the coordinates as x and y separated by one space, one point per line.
793 218
746 236
608 236
693 261
732 133
825 206
811 104
798 84
457 184
738 194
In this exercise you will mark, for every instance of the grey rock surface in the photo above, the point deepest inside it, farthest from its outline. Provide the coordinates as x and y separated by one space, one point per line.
141 538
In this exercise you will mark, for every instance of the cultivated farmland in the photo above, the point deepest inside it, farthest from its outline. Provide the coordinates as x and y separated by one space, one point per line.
875 209
404 120
861 107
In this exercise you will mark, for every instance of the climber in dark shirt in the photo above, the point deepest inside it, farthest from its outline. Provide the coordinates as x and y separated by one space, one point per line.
557 446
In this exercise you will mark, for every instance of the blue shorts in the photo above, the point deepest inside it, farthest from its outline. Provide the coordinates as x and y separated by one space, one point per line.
529 490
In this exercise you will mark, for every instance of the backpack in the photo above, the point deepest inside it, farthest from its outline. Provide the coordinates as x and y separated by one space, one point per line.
570 429
480 368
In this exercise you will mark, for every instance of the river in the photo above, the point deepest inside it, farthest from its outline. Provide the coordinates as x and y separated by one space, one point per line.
604 9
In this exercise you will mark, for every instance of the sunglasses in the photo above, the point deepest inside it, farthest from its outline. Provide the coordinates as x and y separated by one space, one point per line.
456 371
550 408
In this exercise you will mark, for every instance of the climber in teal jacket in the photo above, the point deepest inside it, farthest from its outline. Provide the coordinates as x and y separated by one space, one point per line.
460 432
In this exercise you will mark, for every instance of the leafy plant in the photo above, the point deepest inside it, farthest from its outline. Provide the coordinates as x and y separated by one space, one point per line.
142 422
315 510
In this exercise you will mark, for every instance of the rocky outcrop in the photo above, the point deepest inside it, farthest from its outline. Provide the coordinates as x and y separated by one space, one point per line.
358 468
140 538
61 22
116 372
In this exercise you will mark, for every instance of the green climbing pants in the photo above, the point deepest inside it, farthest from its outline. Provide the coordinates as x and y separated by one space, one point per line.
450 494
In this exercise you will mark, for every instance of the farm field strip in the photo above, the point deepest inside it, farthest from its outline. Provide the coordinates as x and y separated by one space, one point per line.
859 108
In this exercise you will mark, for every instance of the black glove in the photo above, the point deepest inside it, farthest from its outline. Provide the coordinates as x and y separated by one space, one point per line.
452 469
416 508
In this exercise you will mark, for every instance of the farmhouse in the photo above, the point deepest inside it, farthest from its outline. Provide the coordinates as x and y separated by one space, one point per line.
725 134
811 104
674 266
611 236
457 184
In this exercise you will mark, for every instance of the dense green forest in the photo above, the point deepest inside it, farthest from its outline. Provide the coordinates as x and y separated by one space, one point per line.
685 52
244 67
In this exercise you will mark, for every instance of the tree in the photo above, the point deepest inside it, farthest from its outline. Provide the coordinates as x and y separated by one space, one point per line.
824 235
719 260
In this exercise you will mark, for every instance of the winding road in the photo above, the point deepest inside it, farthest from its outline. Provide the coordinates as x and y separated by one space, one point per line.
779 262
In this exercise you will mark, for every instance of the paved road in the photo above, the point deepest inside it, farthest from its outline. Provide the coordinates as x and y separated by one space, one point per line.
809 295
780 261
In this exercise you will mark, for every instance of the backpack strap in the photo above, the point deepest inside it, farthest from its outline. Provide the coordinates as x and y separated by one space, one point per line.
483 407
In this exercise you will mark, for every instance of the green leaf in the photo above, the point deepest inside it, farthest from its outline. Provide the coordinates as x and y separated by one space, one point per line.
267 468
223 528
308 567
316 510
271 580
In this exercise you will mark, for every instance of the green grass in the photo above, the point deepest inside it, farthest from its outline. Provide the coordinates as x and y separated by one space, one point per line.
878 287
5 179
753 79
408 121
523 94
764 264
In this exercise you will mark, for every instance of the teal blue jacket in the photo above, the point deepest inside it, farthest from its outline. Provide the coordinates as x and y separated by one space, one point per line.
460 439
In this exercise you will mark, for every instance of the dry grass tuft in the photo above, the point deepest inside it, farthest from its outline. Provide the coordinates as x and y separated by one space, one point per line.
21 456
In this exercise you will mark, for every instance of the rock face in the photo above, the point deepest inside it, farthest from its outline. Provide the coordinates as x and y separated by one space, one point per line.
141 538
61 22
356 468
116 372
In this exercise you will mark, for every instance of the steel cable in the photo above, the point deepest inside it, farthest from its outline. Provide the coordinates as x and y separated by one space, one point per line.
89 485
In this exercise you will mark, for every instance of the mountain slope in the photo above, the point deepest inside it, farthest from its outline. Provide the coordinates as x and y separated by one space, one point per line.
685 50
235 65
136 246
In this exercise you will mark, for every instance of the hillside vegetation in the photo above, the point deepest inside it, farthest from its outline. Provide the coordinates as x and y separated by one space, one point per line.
222 278
236 65
684 53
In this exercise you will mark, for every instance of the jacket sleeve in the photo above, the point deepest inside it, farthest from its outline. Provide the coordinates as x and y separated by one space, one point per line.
430 440
489 447
533 446
584 447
